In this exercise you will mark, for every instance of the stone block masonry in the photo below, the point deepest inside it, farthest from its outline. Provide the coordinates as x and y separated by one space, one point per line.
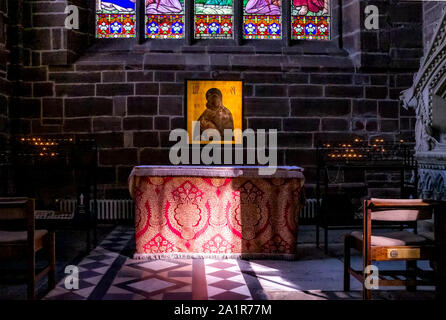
5 86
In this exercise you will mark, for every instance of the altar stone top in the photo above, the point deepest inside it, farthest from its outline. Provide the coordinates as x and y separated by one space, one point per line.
288 172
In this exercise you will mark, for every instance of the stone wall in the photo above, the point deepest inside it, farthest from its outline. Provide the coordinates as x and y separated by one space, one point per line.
397 43
4 83
129 95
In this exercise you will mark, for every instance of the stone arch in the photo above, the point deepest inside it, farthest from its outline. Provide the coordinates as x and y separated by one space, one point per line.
420 185
439 187
427 185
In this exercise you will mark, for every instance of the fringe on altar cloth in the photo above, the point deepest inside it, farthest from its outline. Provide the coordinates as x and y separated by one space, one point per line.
187 255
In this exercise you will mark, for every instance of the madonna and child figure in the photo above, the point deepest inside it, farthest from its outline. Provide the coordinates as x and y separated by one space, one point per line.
216 116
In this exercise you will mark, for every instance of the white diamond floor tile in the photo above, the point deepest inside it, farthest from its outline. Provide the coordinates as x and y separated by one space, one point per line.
238 278
213 291
157 265
212 279
210 270
242 290
151 285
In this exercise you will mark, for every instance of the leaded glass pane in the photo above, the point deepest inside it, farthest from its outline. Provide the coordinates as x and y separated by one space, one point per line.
262 19
115 18
310 19
213 19
164 19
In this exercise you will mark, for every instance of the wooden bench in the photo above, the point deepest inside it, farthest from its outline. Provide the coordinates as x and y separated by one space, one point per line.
20 240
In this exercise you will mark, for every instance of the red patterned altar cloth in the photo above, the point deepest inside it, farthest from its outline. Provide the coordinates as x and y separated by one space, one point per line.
216 212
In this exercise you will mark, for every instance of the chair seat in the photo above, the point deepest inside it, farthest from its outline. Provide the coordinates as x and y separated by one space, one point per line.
399 238
12 237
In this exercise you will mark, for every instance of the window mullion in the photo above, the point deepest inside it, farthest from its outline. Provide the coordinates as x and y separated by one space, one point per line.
140 20
286 23
189 21
238 22
336 22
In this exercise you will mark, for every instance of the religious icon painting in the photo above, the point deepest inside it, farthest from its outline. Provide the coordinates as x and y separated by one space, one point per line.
310 19
262 19
115 19
214 19
214 111
164 19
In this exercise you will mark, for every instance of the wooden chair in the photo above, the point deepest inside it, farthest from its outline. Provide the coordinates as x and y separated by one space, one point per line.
391 246
17 214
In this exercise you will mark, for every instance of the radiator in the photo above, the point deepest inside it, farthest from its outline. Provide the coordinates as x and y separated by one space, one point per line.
114 209
308 211
123 209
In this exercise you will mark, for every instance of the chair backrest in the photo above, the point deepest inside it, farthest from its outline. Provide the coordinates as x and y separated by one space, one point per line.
15 208
17 214
399 210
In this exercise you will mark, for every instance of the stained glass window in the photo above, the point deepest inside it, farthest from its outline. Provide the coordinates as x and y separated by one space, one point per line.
164 19
115 18
213 19
262 19
310 19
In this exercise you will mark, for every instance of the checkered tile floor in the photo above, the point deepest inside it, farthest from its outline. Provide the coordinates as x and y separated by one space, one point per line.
110 273
94 269
225 280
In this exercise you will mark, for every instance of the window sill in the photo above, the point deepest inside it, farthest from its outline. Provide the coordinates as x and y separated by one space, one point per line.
218 46
218 55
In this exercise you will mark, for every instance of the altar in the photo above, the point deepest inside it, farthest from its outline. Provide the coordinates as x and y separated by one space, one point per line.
216 212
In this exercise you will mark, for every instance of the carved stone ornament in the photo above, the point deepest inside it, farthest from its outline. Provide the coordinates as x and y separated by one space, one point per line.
428 97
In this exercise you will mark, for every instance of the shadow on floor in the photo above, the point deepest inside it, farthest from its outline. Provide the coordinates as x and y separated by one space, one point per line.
70 249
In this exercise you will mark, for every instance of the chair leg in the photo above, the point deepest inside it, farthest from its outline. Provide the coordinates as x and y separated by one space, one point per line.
347 252
88 240
31 282
95 235
411 273
52 260
366 293
326 240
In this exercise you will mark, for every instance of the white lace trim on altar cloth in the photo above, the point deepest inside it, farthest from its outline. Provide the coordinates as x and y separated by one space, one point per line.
190 255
